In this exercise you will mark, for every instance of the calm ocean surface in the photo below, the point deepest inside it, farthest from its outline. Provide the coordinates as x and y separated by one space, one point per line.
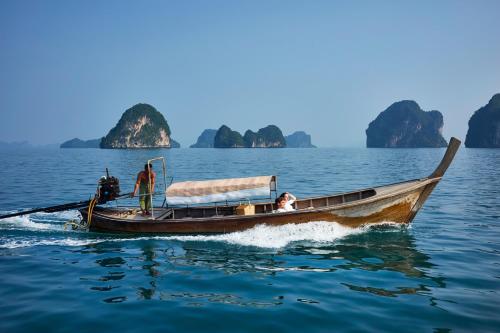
441 274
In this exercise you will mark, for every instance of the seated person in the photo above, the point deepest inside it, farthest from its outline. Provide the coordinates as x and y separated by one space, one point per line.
284 205
280 205
289 201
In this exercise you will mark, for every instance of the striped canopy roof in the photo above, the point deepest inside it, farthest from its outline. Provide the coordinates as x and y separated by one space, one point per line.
191 192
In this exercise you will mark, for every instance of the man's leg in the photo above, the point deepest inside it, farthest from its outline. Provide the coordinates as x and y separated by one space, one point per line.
142 203
147 204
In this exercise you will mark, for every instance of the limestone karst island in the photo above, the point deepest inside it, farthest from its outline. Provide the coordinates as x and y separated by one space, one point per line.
484 126
205 140
268 137
141 126
402 125
405 125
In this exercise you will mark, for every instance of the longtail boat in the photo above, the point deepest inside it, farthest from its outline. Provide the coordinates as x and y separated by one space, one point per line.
184 212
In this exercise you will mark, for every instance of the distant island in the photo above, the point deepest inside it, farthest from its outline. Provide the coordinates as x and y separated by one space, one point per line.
141 126
268 137
405 125
227 138
484 126
23 145
77 143
14 145
299 139
206 139
174 144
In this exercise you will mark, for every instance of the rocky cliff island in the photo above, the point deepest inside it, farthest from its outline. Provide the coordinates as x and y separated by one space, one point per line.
141 126
405 125
484 126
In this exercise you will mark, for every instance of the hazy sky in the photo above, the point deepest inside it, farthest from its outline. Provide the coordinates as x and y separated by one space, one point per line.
71 68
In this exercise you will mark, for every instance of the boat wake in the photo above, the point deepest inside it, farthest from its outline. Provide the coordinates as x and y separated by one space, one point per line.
39 221
24 223
48 230
280 236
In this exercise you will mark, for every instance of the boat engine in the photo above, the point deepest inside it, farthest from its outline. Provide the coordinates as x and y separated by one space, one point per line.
108 188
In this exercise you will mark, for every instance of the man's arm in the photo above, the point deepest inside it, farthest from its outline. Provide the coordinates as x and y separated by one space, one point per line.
137 183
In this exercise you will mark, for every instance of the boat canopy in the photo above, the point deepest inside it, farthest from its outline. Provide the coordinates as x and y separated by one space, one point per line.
193 192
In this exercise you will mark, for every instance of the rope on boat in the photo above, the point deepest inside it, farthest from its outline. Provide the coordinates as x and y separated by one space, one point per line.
90 211
74 225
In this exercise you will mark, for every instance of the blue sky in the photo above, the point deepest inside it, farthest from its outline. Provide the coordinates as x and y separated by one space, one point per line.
71 68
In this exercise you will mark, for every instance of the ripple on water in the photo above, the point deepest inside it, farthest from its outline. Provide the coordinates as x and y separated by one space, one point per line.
442 273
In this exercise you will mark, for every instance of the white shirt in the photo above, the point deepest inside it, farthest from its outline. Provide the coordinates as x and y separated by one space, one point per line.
289 203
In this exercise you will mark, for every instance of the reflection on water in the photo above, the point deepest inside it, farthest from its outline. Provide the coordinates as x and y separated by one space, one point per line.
111 262
379 250
112 276
150 266
117 299
197 299
168 270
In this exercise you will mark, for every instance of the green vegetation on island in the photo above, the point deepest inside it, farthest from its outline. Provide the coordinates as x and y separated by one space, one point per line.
267 137
484 126
405 125
227 138
141 126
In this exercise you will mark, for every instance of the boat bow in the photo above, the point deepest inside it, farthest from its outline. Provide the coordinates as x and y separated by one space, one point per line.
447 158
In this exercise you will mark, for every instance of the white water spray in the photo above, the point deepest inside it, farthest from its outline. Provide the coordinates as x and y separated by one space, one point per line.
262 236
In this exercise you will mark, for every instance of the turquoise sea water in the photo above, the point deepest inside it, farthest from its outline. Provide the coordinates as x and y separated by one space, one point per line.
441 274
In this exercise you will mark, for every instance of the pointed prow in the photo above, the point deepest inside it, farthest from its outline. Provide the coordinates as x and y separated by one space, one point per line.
447 158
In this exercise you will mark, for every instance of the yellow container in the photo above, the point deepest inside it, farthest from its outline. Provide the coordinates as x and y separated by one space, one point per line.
245 209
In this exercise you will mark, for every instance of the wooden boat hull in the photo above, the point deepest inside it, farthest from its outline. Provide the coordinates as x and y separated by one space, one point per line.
397 203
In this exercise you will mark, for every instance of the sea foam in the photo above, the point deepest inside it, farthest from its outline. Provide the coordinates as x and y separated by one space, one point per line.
39 221
24 223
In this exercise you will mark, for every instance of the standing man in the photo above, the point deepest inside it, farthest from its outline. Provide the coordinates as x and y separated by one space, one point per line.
145 188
